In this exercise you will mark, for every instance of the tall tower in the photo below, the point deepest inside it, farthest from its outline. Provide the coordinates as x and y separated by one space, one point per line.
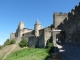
21 25
19 30
37 27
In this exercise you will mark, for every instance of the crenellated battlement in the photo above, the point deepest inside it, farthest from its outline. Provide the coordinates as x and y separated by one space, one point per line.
47 29
60 13
71 12
78 4
74 10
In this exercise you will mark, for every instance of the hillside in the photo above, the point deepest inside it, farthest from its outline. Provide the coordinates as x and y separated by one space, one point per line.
4 52
28 54
14 52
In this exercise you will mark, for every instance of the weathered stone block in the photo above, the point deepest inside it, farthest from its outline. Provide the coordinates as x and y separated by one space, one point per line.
49 59
56 56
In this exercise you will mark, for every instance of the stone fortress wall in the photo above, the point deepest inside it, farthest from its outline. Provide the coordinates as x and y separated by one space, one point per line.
71 26
41 40
66 26
20 31
47 35
58 18
38 36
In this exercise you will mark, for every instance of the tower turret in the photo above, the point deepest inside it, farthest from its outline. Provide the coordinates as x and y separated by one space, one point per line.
37 27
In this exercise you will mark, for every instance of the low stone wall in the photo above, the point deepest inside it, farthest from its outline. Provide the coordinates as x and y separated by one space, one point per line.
71 25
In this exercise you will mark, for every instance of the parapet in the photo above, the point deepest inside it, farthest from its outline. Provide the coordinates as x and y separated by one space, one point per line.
78 5
65 13
60 13
74 9
55 13
21 22
47 29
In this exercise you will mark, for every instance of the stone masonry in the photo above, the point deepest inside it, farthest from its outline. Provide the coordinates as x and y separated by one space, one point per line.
65 27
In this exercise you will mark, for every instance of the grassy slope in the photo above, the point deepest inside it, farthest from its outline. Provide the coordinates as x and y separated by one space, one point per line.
28 54
6 49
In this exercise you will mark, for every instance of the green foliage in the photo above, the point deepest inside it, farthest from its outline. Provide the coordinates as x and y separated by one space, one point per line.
9 42
49 46
23 43
12 42
6 42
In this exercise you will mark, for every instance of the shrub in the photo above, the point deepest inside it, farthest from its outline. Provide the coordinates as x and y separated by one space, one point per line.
23 43
12 42
9 42
49 46
6 42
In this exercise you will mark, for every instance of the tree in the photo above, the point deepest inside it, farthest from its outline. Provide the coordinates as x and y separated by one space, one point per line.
23 43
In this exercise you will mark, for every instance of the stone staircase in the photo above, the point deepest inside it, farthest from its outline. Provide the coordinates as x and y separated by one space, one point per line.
57 54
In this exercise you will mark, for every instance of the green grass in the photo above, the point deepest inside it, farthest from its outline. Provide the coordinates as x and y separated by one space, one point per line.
28 54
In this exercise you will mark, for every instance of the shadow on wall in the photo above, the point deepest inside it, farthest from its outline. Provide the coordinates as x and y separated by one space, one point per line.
61 36
71 25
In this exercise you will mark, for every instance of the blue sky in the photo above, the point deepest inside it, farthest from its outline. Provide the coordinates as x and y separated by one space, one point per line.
27 11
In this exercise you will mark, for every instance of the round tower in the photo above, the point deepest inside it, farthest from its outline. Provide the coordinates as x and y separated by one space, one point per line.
37 27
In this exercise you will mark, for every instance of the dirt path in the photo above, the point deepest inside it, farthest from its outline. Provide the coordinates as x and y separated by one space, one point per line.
9 51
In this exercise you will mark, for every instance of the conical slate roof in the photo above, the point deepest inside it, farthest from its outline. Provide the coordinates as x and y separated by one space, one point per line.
37 22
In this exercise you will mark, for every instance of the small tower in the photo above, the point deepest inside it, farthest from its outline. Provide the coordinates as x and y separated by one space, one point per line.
12 35
37 27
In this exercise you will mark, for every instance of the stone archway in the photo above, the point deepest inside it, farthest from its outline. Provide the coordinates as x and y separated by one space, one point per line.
58 34
61 36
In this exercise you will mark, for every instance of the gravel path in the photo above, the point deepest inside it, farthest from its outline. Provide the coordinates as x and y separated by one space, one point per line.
69 52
